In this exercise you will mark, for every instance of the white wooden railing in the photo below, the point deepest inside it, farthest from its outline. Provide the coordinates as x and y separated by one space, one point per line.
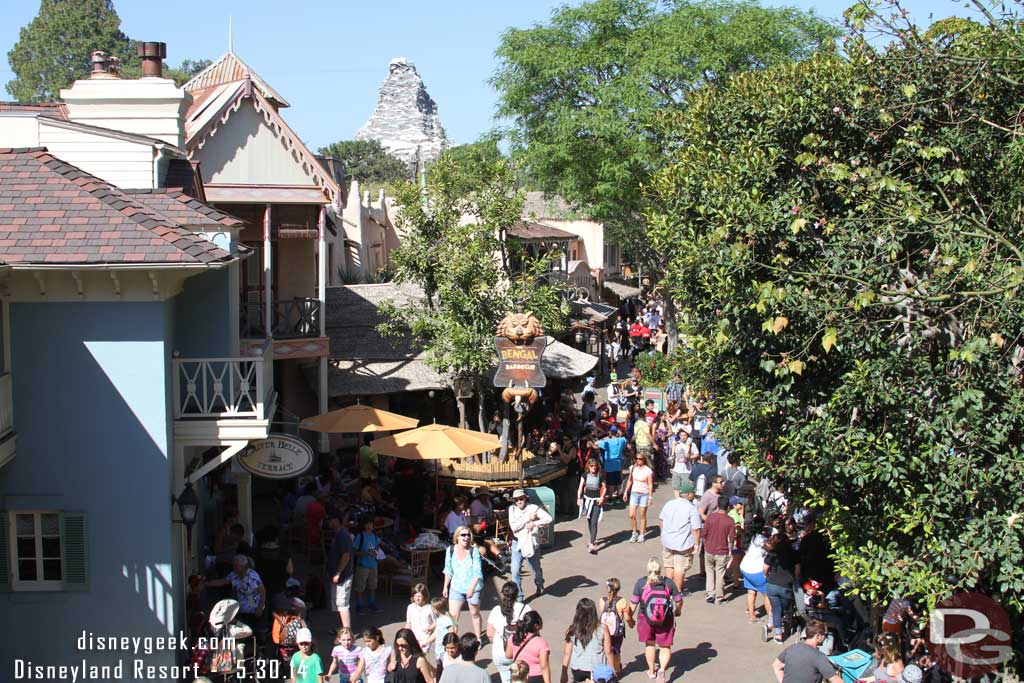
224 388
6 405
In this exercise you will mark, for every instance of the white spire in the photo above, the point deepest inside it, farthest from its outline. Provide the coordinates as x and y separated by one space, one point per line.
231 42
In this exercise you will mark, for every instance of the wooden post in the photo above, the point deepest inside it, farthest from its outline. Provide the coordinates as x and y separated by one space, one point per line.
268 274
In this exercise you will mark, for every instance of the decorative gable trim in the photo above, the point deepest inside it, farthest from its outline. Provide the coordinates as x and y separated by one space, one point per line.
309 163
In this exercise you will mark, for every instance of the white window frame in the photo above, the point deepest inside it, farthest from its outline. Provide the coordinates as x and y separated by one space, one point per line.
12 536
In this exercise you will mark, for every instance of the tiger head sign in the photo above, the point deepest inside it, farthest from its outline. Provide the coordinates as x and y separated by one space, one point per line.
520 344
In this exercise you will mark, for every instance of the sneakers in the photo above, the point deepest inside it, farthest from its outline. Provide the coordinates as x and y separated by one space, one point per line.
710 599
640 537
634 537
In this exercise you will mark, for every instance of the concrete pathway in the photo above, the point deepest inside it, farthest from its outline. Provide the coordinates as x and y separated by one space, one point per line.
713 643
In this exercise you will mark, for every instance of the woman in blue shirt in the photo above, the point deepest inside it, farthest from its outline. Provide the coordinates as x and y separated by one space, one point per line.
463 577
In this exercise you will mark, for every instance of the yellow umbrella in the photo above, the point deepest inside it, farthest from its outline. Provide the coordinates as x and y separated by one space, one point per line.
358 418
436 442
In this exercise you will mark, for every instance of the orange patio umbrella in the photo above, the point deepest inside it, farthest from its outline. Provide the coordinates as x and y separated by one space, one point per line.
436 442
356 419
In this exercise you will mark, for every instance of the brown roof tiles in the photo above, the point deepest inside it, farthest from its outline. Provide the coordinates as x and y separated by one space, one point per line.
42 197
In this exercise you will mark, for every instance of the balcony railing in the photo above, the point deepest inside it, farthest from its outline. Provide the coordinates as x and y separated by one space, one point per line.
6 405
224 388
292 319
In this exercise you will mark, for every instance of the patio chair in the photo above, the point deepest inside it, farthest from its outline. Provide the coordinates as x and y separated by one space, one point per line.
419 565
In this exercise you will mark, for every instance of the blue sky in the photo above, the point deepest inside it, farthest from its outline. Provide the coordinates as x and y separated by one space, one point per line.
327 58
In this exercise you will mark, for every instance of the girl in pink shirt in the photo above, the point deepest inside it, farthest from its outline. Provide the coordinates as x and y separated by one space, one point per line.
638 491
528 646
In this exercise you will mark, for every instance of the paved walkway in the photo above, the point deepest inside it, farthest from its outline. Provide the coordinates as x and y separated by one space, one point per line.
713 643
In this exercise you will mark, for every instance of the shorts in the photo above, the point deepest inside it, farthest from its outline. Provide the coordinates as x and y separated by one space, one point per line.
365 579
613 478
678 478
579 675
645 450
661 636
639 499
617 644
473 599
341 593
679 561
755 581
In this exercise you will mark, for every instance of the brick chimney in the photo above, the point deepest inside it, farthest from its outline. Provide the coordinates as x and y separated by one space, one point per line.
151 105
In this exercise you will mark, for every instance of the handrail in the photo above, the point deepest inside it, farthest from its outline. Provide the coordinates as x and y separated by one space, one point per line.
219 388
6 404
292 318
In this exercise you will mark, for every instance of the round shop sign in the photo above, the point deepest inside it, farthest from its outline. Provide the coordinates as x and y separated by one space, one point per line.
277 457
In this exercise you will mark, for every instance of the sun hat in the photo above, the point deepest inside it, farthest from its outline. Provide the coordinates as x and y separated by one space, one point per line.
304 635
686 487
518 493
223 613
481 491
912 674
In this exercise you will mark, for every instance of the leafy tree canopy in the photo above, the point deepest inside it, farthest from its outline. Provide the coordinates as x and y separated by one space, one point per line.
851 291
583 90
368 162
454 249
53 50
476 161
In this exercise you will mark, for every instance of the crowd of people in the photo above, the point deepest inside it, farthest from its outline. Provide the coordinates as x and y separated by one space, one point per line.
743 536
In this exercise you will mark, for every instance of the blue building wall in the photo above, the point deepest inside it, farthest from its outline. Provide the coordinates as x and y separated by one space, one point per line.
203 319
92 415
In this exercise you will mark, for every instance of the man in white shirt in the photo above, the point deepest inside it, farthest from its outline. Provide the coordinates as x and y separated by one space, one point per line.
525 520
680 534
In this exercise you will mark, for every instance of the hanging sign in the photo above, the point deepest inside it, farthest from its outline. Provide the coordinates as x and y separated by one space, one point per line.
520 363
279 456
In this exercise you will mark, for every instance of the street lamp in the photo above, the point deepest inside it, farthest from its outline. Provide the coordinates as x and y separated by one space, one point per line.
188 509
579 336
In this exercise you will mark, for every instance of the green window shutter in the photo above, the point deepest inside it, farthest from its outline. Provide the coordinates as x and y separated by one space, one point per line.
5 556
73 540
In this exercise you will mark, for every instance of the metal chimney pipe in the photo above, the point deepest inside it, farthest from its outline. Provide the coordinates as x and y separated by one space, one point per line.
152 55
99 61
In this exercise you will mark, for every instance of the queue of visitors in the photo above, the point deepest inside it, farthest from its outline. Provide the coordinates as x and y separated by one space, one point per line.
744 538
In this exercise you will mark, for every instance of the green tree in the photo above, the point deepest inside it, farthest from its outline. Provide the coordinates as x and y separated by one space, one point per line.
368 162
583 92
476 161
189 68
461 266
53 50
851 290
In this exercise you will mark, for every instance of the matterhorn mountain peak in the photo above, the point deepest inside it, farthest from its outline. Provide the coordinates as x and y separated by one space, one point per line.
405 121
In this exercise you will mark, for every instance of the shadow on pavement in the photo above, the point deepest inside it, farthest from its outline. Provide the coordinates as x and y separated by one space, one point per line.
688 659
567 584
563 539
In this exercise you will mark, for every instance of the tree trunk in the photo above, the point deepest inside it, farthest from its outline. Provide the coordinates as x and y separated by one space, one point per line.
461 402
480 412
670 321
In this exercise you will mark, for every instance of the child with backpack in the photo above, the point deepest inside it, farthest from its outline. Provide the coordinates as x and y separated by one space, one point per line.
655 604
615 614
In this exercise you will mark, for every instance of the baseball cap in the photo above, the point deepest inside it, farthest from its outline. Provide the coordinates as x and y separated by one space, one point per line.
304 635
614 429
292 582
736 499
686 487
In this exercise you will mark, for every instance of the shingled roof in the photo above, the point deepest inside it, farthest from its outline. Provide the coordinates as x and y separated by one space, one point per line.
57 110
54 213
185 210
